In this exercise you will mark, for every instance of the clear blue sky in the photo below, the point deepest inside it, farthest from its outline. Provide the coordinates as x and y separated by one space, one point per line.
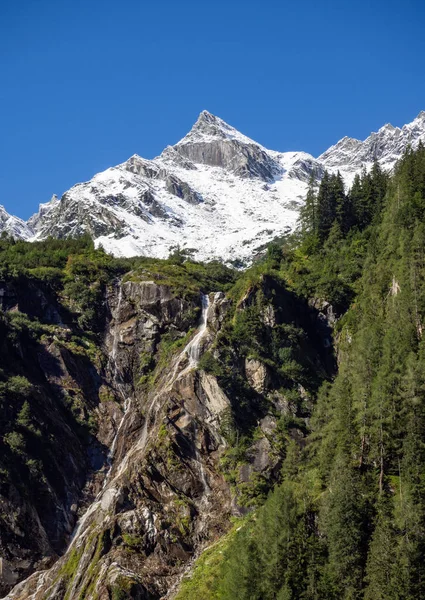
86 84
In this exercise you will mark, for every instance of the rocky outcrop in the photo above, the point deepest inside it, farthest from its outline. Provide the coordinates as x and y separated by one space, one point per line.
217 312
163 495
53 390
181 189
257 375
326 318
13 226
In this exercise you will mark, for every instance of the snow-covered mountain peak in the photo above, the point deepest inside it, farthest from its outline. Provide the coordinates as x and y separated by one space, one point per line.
341 153
387 128
213 142
210 128
216 190
385 145
420 117
416 128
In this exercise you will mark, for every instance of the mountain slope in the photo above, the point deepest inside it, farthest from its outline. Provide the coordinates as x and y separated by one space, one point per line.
153 428
14 226
221 396
348 518
216 192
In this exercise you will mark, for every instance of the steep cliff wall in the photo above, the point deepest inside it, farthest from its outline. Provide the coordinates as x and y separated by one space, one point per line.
186 404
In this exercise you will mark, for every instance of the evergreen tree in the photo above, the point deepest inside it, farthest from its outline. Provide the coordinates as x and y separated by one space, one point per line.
309 212
326 207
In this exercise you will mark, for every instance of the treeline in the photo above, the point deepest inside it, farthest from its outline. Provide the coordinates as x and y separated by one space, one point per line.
330 211
348 519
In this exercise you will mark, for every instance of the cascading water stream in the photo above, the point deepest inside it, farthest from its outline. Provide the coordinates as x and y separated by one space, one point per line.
192 351
111 453
127 407
207 489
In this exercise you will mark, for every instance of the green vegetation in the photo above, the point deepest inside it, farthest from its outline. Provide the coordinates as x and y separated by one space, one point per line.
185 279
52 365
78 273
204 581
348 519
269 326
69 567
125 589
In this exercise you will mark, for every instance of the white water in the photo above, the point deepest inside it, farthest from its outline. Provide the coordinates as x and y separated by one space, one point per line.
127 406
191 350
116 335
111 453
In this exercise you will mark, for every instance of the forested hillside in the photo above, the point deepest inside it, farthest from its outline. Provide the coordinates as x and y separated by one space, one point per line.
347 519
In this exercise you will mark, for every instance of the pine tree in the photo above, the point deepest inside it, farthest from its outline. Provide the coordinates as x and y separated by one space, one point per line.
343 523
308 213
342 203
382 556
326 207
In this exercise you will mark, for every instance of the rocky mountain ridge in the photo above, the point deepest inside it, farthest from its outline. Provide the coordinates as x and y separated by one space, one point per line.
216 192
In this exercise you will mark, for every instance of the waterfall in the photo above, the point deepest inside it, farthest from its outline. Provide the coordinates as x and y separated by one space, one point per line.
192 349
116 336
127 408
201 470
113 366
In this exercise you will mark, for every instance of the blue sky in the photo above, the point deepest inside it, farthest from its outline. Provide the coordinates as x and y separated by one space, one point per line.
86 84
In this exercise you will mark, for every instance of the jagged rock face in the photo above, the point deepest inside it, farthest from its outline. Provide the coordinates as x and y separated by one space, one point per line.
41 483
256 373
164 495
213 142
159 494
13 226
387 145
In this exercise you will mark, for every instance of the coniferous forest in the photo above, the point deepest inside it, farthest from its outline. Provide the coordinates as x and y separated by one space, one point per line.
347 520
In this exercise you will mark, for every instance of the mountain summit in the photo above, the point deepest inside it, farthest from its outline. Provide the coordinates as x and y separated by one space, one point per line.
216 191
